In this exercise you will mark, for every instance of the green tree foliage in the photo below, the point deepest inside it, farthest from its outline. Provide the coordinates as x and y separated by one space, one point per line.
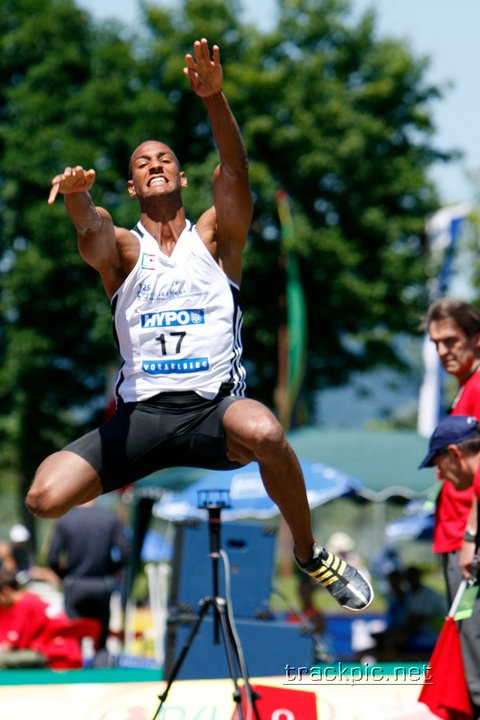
58 108
348 136
338 118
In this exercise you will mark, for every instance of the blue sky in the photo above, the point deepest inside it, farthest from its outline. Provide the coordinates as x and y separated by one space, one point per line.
444 30
447 32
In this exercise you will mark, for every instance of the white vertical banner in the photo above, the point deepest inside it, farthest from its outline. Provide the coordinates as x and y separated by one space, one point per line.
443 230
430 396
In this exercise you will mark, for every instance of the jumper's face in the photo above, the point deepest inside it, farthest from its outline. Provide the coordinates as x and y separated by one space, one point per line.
154 171
457 352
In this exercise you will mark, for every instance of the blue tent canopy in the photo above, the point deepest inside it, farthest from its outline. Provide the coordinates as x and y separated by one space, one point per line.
247 496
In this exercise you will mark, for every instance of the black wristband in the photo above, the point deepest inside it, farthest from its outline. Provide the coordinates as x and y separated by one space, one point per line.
469 537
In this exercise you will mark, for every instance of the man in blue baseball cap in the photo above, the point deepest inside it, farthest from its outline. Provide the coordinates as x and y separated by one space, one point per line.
454 450
451 431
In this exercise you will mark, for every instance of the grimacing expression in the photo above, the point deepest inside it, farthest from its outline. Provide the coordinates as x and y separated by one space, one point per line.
154 170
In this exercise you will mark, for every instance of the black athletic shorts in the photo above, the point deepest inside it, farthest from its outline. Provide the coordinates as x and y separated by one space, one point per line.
168 430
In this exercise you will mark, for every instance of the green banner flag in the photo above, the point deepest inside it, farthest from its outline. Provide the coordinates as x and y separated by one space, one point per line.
296 313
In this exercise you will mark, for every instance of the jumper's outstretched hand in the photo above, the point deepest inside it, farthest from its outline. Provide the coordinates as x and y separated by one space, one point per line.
204 72
72 180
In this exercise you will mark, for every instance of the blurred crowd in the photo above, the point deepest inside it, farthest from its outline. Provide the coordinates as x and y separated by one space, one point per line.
48 610
83 567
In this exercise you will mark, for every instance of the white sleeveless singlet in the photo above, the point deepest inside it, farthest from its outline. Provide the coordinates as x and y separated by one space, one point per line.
177 322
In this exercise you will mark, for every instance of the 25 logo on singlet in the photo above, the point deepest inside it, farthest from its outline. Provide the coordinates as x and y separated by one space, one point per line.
173 318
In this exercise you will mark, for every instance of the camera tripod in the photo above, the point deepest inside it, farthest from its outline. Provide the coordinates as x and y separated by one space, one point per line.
214 501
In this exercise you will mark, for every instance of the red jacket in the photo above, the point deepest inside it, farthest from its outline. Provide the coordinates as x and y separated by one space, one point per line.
27 625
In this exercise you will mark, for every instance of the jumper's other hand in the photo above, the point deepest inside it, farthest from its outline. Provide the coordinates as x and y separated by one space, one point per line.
204 72
72 180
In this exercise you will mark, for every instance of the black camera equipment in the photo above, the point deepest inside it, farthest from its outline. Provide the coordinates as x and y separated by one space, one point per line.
214 501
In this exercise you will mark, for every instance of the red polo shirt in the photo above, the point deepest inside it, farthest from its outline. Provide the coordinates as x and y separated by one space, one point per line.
453 506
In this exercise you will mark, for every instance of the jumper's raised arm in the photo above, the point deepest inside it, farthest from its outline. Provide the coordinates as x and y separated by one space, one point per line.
174 287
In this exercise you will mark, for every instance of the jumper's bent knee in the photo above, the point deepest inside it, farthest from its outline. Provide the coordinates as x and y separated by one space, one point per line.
39 506
268 436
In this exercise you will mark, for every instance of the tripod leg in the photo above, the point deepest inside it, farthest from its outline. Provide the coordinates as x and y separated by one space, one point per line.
234 659
204 606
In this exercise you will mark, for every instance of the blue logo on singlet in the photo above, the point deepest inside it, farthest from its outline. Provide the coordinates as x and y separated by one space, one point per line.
173 318
169 367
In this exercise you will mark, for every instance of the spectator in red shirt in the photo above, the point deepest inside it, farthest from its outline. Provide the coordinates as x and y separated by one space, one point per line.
454 327
29 636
